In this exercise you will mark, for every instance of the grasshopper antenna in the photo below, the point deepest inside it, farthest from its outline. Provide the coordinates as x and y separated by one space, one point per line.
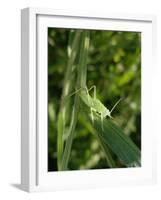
116 104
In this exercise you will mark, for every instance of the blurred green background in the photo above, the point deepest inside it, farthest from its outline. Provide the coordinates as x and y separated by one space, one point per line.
114 66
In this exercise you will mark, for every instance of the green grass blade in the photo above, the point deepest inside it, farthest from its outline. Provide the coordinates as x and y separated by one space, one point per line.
107 153
119 143
73 46
106 150
81 82
82 66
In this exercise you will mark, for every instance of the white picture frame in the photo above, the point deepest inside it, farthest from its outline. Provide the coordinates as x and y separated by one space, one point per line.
34 174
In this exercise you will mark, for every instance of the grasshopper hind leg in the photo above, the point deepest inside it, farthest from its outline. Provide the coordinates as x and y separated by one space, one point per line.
94 90
102 122
92 117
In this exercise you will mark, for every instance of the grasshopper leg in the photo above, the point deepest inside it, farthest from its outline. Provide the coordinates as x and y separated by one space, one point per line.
94 89
87 93
102 122
92 117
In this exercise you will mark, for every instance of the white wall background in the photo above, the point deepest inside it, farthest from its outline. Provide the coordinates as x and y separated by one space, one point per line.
10 98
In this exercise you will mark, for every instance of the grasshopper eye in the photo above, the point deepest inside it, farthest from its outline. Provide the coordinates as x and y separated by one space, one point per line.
98 112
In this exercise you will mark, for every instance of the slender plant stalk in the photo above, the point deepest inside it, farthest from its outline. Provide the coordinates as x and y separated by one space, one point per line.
81 82
82 66
72 49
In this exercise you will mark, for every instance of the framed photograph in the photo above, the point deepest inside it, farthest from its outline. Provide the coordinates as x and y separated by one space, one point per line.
86 99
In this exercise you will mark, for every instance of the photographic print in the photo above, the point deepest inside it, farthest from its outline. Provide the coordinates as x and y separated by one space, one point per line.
86 103
94 99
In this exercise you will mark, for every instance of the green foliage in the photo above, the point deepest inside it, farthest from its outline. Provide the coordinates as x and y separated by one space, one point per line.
114 67
120 144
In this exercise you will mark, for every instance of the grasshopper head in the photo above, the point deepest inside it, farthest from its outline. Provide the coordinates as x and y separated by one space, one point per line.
106 113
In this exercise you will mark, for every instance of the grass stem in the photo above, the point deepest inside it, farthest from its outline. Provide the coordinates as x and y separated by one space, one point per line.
81 82
72 49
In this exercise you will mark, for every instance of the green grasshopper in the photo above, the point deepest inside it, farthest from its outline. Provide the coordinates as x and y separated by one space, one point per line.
95 104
